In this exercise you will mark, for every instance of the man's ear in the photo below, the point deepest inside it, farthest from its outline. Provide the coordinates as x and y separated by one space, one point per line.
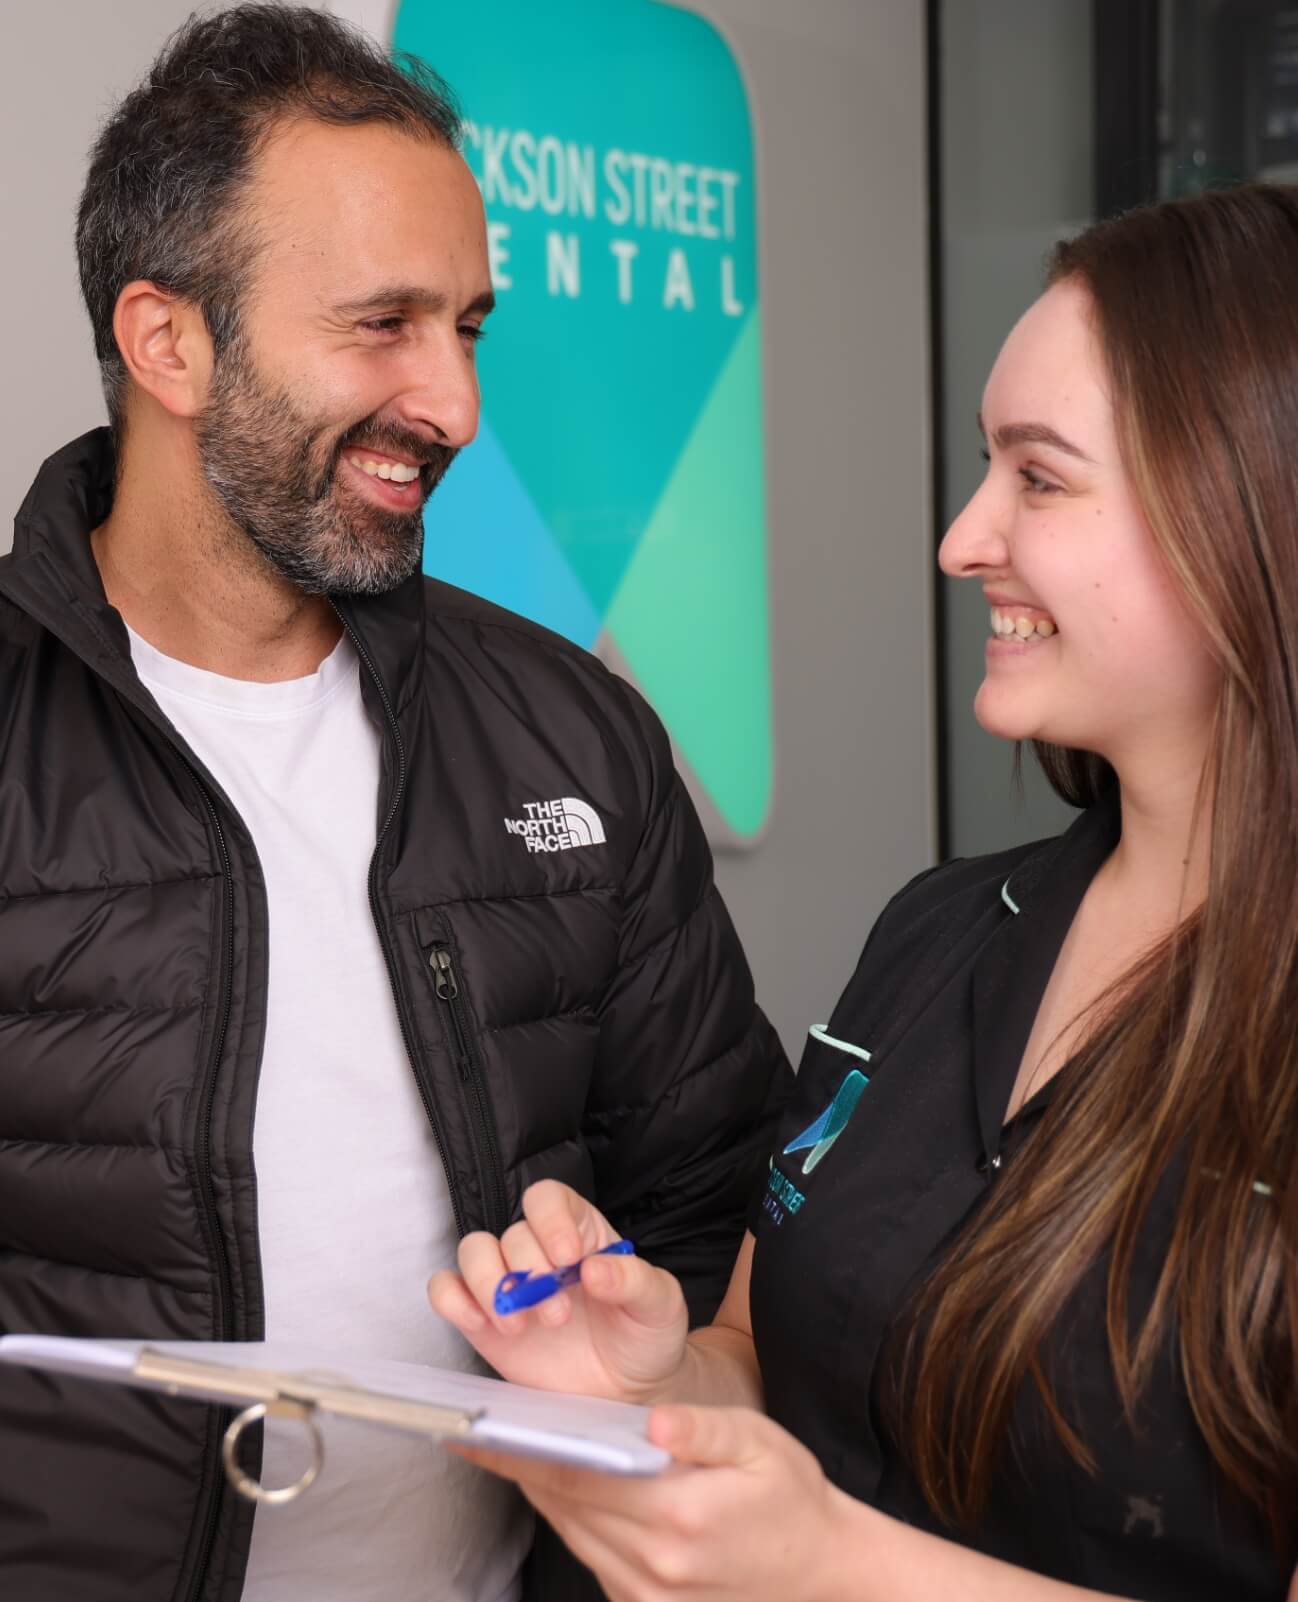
166 347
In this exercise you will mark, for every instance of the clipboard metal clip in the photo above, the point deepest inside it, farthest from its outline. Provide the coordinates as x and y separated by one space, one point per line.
303 1398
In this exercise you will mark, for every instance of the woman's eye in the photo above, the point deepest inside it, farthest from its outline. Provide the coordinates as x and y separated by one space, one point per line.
1038 486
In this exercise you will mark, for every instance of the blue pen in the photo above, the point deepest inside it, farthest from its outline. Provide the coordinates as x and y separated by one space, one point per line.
524 1289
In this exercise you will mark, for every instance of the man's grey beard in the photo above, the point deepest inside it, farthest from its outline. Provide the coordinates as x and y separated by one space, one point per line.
277 478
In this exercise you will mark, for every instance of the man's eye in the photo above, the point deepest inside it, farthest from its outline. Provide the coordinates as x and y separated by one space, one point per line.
473 333
384 325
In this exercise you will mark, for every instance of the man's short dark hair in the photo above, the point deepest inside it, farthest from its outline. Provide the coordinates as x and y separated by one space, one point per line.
162 198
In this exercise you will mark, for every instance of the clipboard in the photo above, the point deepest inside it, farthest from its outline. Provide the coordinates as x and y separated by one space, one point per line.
266 1379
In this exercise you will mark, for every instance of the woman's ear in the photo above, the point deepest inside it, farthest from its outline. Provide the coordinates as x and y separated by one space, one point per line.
166 347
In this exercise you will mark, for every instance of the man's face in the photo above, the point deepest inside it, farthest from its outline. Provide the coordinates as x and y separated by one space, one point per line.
351 384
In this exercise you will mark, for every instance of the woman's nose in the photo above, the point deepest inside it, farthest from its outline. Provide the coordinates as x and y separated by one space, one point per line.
976 541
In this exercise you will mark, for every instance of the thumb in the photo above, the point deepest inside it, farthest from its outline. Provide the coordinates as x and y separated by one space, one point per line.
649 1295
709 1436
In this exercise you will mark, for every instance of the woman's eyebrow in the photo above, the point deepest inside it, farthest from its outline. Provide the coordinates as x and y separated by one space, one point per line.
1010 434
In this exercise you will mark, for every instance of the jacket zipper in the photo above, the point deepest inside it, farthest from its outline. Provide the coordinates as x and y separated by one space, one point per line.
224 1274
449 993
457 1210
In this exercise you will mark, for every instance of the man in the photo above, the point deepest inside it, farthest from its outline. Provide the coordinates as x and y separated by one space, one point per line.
289 1001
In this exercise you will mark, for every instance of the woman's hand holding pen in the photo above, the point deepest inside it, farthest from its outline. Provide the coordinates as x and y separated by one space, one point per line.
622 1337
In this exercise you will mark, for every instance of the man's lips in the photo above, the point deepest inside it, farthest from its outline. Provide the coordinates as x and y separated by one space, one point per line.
399 458
381 491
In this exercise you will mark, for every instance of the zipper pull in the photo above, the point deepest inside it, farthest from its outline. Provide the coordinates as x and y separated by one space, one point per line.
443 974
448 992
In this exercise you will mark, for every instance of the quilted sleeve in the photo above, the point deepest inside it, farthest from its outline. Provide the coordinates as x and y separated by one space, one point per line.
690 1076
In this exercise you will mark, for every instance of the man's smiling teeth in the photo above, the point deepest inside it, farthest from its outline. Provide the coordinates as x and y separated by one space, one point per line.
398 472
1006 624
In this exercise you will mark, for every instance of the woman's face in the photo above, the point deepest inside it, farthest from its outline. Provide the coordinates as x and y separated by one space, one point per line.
1090 645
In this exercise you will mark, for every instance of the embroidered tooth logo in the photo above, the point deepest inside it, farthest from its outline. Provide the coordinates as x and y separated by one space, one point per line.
559 825
821 1135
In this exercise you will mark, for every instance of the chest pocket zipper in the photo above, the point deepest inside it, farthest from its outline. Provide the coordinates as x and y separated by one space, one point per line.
447 987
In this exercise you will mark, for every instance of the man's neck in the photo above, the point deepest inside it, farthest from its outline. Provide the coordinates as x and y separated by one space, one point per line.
187 581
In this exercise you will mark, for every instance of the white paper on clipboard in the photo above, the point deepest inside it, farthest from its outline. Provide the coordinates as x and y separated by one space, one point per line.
581 1430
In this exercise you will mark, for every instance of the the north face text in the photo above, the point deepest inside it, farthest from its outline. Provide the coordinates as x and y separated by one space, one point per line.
558 825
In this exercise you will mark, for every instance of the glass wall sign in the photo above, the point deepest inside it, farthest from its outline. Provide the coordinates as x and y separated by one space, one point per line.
616 490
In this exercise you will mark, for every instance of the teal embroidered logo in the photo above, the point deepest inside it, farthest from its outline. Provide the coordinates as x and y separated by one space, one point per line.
783 1198
821 1135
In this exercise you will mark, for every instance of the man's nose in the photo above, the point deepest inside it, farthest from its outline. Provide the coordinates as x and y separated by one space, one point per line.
444 395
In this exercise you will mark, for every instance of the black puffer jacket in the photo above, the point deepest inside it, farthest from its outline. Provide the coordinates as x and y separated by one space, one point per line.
603 1031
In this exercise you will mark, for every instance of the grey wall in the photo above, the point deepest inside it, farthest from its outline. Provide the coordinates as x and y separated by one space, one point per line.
64 64
837 91
1016 176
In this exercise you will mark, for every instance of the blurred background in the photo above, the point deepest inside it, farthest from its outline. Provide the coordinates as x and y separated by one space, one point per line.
914 160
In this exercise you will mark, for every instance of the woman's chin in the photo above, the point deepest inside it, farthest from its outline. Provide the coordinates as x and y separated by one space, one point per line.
996 715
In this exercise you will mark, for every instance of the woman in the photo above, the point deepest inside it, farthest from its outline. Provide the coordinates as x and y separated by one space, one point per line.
1024 1281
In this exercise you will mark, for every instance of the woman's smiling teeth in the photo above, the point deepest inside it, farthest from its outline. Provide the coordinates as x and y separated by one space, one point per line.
398 472
1006 625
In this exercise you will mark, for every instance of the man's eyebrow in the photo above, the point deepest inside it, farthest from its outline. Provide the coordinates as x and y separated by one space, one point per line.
414 298
1011 434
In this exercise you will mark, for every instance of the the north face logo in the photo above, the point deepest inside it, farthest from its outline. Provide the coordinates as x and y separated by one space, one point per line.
557 825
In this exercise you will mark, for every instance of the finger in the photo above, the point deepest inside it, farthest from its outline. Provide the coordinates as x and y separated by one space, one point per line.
483 1266
492 1338
452 1300
649 1295
524 1253
522 1250
567 1226
711 1436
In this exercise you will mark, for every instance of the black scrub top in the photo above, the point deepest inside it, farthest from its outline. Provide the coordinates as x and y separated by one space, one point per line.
943 1000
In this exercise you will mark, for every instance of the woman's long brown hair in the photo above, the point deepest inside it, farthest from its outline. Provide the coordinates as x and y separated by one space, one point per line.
1190 1067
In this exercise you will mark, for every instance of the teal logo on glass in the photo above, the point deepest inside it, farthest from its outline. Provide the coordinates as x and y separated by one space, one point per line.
818 1139
615 492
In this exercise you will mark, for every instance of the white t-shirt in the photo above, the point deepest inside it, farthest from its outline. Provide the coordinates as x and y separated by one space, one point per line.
353 1208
